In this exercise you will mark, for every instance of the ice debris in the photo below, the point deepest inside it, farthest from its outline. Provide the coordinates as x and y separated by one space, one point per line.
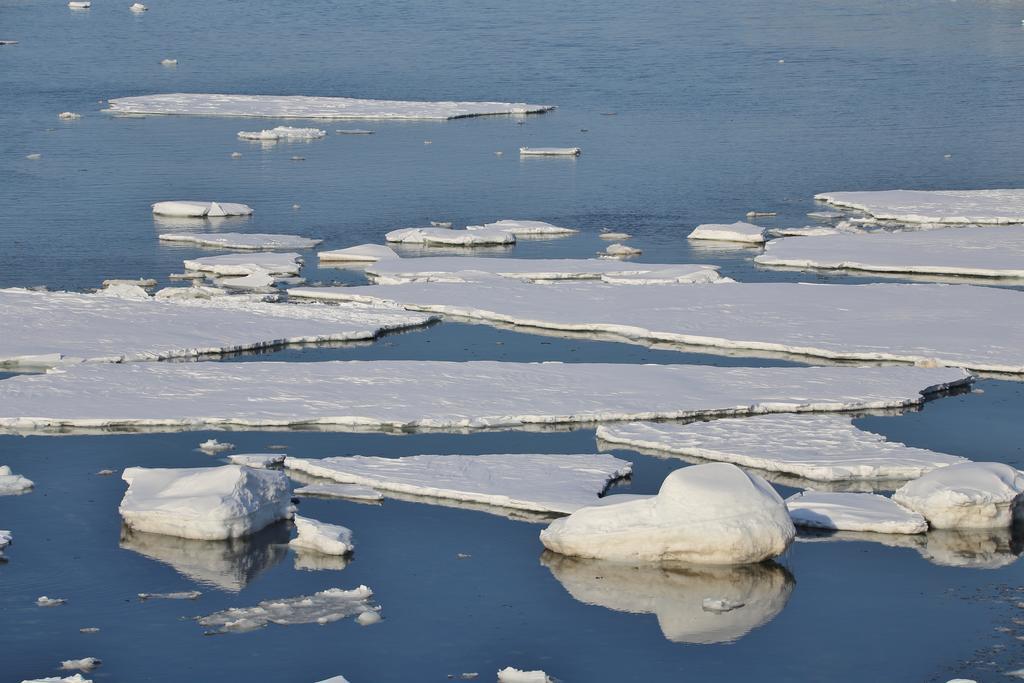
321 537
365 253
169 62
550 151
614 235
6 538
449 237
190 209
13 484
180 595
368 618
524 228
513 675
68 116
45 601
83 664
80 4
137 7
213 447
853 512
941 206
238 240
620 251
351 491
76 678
274 263
323 607
977 495
734 232
282 133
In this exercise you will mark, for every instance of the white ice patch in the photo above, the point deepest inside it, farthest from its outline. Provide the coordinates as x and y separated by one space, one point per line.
705 514
550 151
191 209
6 538
195 292
817 447
973 327
180 595
212 446
350 491
536 483
470 268
122 290
323 607
450 238
13 484
977 495
77 678
853 512
363 253
83 664
239 240
260 461
68 116
733 232
301 107
321 537
53 328
399 395
46 601
806 231
205 503
979 252
620 251
942 206
275 263
282 133
676 595
523 228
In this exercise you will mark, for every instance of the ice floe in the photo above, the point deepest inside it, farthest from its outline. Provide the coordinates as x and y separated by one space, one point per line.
704 514
180 595
805 231
204 503
212 446
51 328
537 483
302 107
350 491
522 228
68 116
282 133
976 251
238 240
512 675
169 62
83 664
321 537
550 151
470 268
614 235
977 495
733 232
911 323
137 7
399 395
363 253
274 263
13 484
449 237
620 251
190 209
77 678
323 607
80 4
853 512
6 538
817 447
46 601
676 595
937 206
258 460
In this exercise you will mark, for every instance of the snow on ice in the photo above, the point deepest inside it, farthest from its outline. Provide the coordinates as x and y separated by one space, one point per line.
940 206
976 495
853 512
238 240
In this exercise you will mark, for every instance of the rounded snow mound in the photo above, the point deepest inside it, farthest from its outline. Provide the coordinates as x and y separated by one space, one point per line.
975 495
705 514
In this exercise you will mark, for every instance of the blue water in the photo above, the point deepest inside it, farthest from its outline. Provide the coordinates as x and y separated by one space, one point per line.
708 124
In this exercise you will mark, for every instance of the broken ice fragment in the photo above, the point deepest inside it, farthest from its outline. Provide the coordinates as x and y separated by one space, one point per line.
13 484
512 675
550 151
44 601
621 250
323 607
137 7
853 512
275 263
448 237
68 116
83 664
181 595
282 133
941 206
212 446
361 253
247 241
368 618
976 495
614 235
191 209
522 228
734 232
258 460
321 537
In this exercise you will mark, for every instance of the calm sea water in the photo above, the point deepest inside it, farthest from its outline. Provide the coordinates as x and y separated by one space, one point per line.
708 124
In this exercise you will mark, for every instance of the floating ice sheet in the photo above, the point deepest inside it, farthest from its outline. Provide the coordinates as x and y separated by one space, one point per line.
302 107
50 328
937 206
974 327
321 537
361 395
323 607
191 209
349 491
282 133
817 447
77 678
274 263
853 512
550 151
524 228
470 268
239 240
363 253
537 483
513 675
977 251
13 484
733 232
449 237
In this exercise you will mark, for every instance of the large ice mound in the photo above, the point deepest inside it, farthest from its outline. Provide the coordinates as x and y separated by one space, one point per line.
705 514
206 503
451 238
940 206
817 447
321 608
853 512
977 495
301 107
733 232
238 240
190 209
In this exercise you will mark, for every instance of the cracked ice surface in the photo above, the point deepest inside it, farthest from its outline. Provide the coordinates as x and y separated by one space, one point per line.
239 240
818 447
302 107
939 206
973 327
536 483
323 607
853 512
979 252
396 395
469 269
50 328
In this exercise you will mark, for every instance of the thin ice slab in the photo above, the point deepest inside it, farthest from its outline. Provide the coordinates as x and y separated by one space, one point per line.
347 491
321 608
524 228
978 252
282 133
53 328
817 447
536 483
192 209
733 232
274 263
302 107
321 537
853 512
973 327
362 253
397 395
239 240
939 206
450 238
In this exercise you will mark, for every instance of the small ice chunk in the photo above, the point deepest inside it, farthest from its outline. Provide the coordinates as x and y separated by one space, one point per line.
180 595
614 235
621 250
191 209
761 214
733 232
362 253
721 605
853 512
323 607
274 263
236 155
13 484
238 240
105 473
550 151
806 231
89 630
368 618
354 131
334 679
976 495
80 4
68 116
257 280
169 62
445 236
140 282
122 290
83 664
440 224
282 133
329 539
193 293
825 215
6 538
77 678
526 228
207 503
513 675
351 491
44 601
213 447
137 7
704 514
35 156
258 460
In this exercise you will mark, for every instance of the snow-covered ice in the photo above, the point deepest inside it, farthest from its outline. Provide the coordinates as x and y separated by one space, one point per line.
449 237
275 263
704 514
620 251
195 292
51 328
191 209
13 484
973 327
976 251
83 664
817 447
512 675
321 537
805 231
6 538
303 107
46 601
258 460
976 495
212 446
440 395
68 116
550 151
676 594
363 253
537 483
238 240
80 4
524 228
76 678
938 206
470 268
853 512
137 7
350 491
369 618
205 503
720 605
322 607
733 232
180 595
282 133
